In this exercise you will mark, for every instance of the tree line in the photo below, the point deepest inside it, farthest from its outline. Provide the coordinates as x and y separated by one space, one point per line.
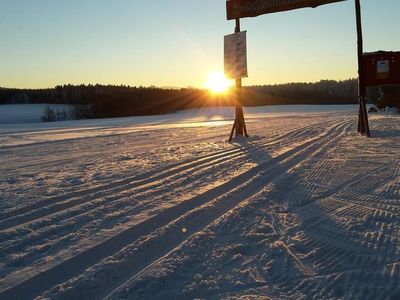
118 101
322 92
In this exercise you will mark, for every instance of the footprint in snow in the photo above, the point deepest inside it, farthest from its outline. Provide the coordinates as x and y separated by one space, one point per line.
75 181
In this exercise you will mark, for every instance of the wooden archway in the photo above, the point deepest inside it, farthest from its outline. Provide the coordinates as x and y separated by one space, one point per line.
237 9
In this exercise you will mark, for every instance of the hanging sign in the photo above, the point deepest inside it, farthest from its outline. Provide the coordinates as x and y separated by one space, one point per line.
235 55
253 8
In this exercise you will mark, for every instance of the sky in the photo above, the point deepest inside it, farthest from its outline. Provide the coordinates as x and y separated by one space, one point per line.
176 43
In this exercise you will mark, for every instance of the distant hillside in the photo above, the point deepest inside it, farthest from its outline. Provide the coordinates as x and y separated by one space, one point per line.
322 92
113 101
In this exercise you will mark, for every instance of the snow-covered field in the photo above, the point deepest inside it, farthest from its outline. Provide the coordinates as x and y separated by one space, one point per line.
163 207
26 113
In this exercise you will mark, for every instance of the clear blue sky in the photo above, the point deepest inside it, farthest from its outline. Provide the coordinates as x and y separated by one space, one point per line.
178 42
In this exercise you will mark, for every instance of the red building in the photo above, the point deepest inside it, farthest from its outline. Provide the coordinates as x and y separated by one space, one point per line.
381 68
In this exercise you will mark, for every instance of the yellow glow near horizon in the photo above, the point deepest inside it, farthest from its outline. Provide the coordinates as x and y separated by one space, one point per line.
217 83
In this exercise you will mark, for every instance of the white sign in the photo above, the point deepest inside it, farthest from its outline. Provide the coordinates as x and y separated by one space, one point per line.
382 66
382 69
235 55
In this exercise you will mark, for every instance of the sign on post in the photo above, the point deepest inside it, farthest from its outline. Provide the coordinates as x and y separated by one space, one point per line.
253 8
235 55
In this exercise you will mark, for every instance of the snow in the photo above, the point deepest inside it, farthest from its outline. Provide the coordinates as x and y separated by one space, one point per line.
17 132
163 207
26 113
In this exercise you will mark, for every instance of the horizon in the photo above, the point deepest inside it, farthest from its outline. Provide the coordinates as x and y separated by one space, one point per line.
47 43
133 168
174 87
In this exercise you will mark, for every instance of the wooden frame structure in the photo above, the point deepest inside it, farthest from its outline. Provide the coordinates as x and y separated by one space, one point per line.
237 9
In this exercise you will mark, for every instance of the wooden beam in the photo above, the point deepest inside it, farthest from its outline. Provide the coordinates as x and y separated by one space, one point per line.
363 125
239 116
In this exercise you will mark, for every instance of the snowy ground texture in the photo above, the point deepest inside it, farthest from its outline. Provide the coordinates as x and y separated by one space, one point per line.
165 208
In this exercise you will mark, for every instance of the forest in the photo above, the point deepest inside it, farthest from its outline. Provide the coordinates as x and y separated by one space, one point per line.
115 101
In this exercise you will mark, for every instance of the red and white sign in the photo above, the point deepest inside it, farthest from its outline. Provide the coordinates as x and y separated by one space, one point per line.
235 55
252 8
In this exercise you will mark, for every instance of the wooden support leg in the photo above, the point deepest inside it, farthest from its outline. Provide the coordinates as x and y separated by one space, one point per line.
363 126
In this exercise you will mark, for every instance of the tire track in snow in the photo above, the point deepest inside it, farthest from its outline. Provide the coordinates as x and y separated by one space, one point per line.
333 285
343 187
252 189
45 162
338 253
51 206
142 178
59 203
350 264
255 186
24 209
67 222
26 164
56 233
114 206
391 189
51 234
250 181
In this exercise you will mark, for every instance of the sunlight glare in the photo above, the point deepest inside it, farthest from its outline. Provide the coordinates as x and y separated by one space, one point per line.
217 83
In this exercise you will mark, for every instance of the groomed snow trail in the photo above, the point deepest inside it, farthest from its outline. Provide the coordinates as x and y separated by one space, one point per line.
303 209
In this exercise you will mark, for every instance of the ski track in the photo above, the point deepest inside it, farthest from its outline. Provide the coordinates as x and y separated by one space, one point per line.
254 187
73 151
341 259
340 228
121 185
252 171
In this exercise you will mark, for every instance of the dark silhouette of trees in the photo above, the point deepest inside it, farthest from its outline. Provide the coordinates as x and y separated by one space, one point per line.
322 92
94 101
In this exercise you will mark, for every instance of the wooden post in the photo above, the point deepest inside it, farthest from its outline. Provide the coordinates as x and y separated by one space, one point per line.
232 131
239 126
363 125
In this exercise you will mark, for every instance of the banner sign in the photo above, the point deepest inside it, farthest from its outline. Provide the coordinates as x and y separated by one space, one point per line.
381 68
252 8
235 55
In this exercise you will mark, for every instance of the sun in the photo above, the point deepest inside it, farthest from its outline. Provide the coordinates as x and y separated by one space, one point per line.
217 83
